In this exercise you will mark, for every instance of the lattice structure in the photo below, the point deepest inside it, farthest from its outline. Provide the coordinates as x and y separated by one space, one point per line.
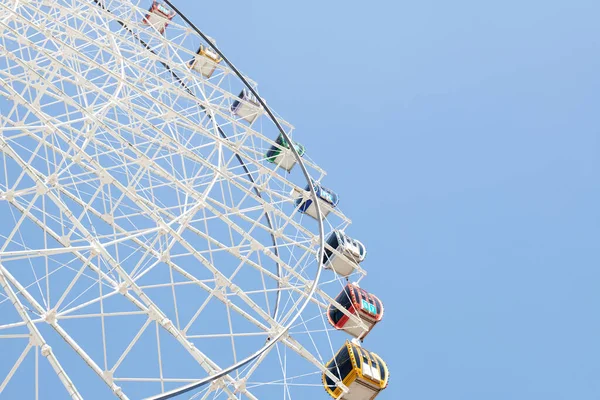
146 242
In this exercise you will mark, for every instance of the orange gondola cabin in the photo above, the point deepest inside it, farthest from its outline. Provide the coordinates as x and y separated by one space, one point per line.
158 17
360 303
205 62
364 373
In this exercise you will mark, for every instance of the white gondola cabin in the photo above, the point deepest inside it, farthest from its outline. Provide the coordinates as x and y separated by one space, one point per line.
281 154
205 62
328 200
246 106
342 253
364 373
358 302
158 16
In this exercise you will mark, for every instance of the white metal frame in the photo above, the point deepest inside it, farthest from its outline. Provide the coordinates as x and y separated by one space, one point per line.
129 181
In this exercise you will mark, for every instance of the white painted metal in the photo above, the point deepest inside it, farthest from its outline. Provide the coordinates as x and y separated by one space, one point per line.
158 17
247 111
146 243
285 160
205 63
157 21
361 390
358 330
311 210
341 264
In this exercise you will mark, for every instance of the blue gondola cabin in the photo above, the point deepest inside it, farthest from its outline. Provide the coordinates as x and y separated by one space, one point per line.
364 373
327 198
158 17
206 61
360 303
281 154
342 253
246 106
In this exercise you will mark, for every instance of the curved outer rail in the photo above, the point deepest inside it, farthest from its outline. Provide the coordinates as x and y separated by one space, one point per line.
313 194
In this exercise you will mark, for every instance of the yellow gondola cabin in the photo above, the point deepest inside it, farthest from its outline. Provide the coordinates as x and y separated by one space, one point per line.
362 372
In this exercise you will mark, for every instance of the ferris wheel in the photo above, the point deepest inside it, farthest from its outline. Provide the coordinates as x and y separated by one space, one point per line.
162 232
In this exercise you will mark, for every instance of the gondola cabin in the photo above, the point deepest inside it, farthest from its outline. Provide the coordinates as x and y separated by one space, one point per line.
328 200
246 106
342 253
205 62
364 373
158 17
281 154
360 303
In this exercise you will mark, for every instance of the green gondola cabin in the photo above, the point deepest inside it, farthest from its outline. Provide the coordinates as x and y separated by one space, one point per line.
281 154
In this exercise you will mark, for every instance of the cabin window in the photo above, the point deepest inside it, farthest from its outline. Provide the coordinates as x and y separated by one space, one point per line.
281 141
377 366
356 354
374 361
343 364
378 305
332 241
344 300
333 314
340 367
248 96
329 382
357 293
368 307
345 239
375 303
317 189
382 373
236 103
366 359
304 205
273 153
327 196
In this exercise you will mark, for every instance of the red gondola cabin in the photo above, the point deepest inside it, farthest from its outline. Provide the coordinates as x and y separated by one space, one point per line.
158 17
360 303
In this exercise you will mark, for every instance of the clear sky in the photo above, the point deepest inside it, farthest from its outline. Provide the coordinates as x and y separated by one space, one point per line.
464 140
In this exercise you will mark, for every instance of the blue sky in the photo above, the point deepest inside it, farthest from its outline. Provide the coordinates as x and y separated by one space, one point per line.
464 140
